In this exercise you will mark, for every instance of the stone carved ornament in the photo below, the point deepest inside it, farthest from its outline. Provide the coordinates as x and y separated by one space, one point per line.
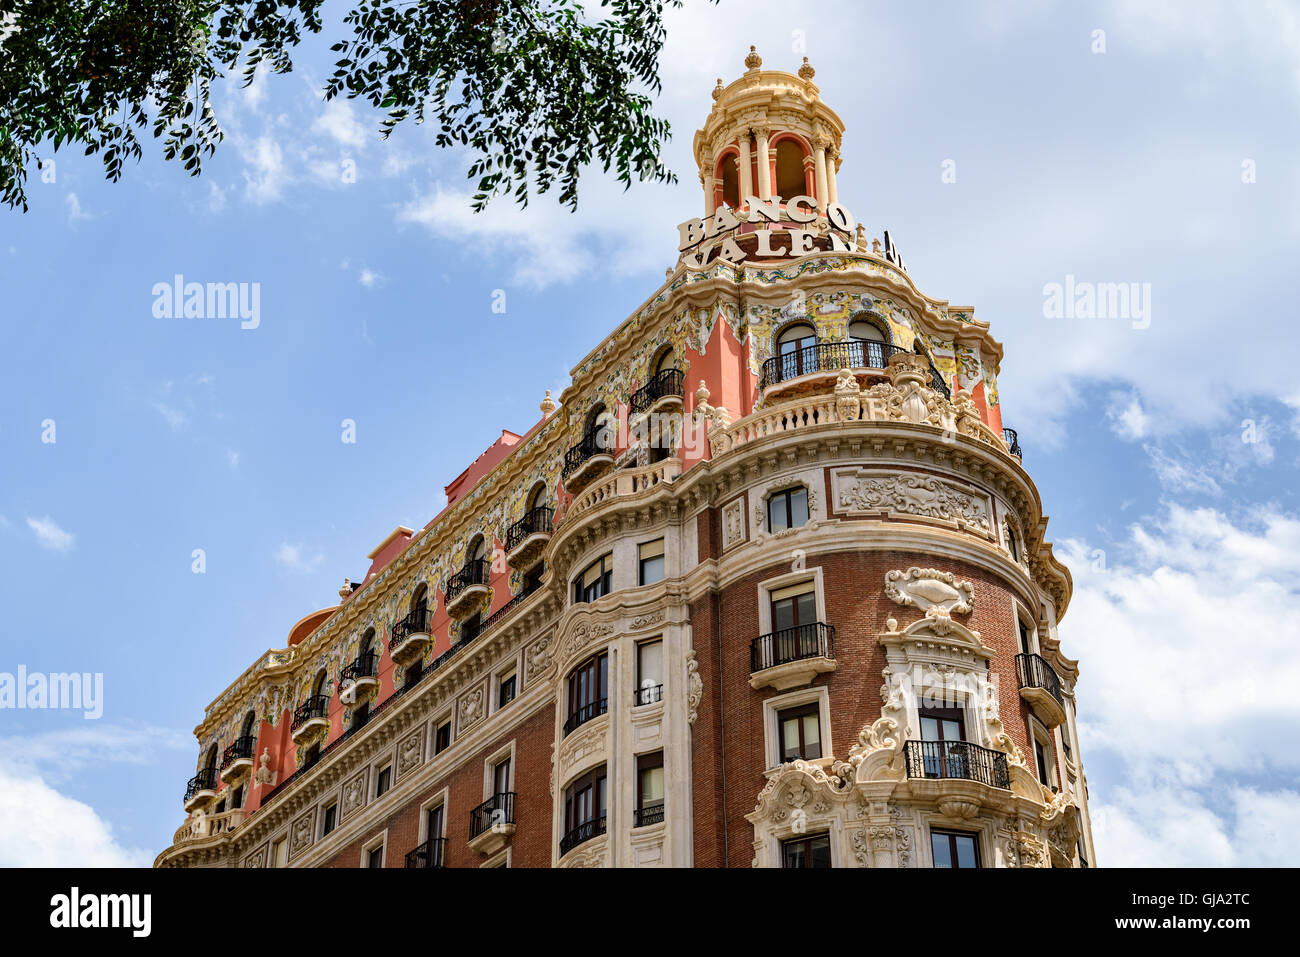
937 593
408 755
921 495
471 707
694 687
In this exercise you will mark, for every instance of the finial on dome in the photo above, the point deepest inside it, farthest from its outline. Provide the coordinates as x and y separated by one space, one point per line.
806 71
548 404
753 61
345 590
717 90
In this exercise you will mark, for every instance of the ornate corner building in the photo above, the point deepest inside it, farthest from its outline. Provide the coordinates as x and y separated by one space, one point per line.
768 586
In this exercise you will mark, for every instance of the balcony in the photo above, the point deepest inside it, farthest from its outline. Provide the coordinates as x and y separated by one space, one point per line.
588 712
1013 442
585 460
959 760
432 853
1040 686
791 657
200 788
661 393
526 538
310 717
651 814
492 823
581 834
467 588
238 758
826 358
359 678
648 694
408 638
209 825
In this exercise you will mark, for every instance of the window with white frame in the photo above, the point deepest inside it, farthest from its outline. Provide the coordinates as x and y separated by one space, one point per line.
650 563
787 508
649 672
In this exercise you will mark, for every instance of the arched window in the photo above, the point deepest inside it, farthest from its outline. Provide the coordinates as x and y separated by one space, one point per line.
537 499
477 549
597 432
211 760
318 686
1013 546
729 173
667 361
250 725
866 345
795 348
367 642
791 180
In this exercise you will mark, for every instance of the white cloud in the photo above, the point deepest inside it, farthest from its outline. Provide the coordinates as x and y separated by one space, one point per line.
295 558
338 121
49 535
1127 420
232 458
1178 475
370 278
1188 661
75 212
265 173
174 417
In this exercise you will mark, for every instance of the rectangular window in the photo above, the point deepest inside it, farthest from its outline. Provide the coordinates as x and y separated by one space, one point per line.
237 799
442 738
470 628
595 581
433 823
1046 759
501 777
584 800
794 606
799 733
280 853
376 857
652 562
954 849
649 789
649 672
329 820
812 851
412 676
588 692
383 780
1026 640
788 509
507 692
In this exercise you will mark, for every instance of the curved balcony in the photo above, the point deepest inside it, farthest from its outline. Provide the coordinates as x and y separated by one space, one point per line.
581 834
310 717
432 853
585 460
467 588
664 391
492 823
200 788
826 358
408 638
957 760
1013 442
527 538
238 758
791 657
359 677
1040 686
209 825
588 712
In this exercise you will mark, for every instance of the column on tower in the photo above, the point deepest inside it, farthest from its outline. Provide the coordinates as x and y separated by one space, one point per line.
832 160
746 175
764 165
819 154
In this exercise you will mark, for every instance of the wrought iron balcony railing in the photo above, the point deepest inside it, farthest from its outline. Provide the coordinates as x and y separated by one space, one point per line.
649 694
815 640
957 759
240 748
666 383
1035 672
205 780
432 853
494 813
599 442
582 833
415 623
1013 442
650 814
827 357
584 714
535 522
475 572
317 706
364 666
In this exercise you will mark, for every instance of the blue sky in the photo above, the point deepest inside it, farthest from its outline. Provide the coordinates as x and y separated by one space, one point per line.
1166 455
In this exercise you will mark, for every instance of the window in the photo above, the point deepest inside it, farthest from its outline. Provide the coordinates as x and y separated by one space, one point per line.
442 737
799 733
329 819
954 849
790 178
280 853
312 755
1012 546
501 777
666 362
942 724
652 562
413 676
794 606
1083 860
788 509
360 715
811 851
867 345
1044 756
584 809
506 693
1026 638
471 627
433 819
795 351
384 780
588 691
649 672
375 857
649 789
237 798
596 580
